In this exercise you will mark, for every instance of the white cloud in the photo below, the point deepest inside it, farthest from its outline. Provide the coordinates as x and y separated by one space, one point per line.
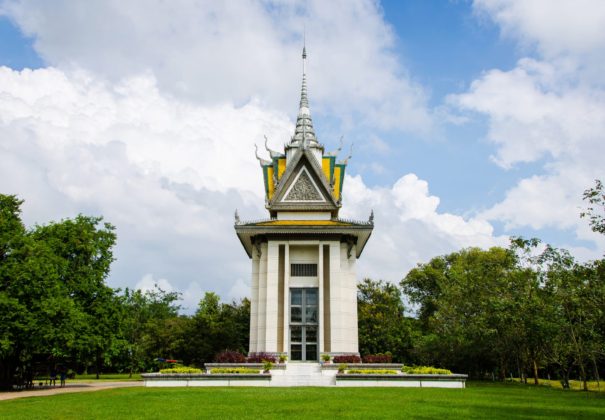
216 52
549 111
168 174
149 284
555 27
409 229
158 169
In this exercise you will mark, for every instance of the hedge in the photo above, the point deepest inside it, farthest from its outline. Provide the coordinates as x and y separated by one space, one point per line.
425 370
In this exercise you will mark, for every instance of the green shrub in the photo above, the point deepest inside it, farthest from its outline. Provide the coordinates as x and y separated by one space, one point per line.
342 367
241 370
425 370
372 372
182 369
282 358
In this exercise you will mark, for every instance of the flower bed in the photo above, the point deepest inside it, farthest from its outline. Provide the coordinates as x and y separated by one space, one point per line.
239 370
425 370
371 372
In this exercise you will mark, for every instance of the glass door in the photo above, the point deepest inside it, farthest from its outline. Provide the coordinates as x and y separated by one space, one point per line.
303 324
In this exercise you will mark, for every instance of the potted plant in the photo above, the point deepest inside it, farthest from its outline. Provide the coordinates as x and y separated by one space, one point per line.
325 358
283 358
267 366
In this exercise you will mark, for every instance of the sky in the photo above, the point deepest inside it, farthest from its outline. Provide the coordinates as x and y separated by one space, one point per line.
471 121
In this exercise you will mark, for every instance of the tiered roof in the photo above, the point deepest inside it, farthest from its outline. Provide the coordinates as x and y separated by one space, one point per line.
302 180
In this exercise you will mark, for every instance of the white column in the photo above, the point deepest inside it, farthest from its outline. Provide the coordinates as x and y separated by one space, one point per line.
287 299
350 303
254 303
320 315
262 299
271 308
335 297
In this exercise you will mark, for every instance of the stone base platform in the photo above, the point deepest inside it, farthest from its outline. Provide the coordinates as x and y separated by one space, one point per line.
306 374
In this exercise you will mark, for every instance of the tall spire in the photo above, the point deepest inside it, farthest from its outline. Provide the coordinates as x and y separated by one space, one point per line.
304 134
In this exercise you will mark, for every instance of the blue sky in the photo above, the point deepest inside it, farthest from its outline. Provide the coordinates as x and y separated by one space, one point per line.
472 121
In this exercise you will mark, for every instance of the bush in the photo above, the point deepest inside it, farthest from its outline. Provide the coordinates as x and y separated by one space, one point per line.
378 358
233 370
182 369
347 358
230 356
342 367
267 366
261 358
283 358
372 372
425 370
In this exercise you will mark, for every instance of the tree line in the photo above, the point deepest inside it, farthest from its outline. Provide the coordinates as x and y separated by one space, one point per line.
527 310
57 312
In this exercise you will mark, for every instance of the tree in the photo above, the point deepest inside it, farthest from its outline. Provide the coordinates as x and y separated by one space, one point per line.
218 326
473 302
595 212
144 318
51 279
382 324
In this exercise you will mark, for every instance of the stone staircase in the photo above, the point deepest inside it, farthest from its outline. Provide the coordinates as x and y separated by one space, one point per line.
302 374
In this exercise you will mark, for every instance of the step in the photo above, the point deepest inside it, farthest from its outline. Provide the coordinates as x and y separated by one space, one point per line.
302 374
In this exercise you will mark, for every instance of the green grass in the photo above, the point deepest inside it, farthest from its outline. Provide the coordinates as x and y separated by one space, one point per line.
573 384
113 377
478 401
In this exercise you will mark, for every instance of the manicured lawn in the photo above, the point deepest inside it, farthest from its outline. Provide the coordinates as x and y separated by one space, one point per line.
108 377
91 378
479 400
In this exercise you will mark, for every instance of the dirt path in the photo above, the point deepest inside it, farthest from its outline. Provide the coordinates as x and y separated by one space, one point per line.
73 387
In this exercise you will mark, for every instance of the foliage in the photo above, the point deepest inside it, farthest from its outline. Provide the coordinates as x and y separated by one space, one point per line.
54 305
181 369
214 327
283 358
230 356
383 326
267 366
325 357
342 367
425 370
372 372
347 358
595 212
378 358
241 370
261 357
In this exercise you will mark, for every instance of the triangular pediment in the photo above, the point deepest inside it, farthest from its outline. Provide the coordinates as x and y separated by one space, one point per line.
303 187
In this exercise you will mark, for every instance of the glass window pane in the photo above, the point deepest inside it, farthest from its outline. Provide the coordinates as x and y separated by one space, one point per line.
296 350
296 314
311 297
311 314
311 334
295 334
311 352
296 297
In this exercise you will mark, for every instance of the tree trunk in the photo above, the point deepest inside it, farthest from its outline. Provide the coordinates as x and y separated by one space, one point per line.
535 366
98 363
583 376
596 372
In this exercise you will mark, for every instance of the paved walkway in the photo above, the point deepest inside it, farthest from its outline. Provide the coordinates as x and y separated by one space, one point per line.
69 387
